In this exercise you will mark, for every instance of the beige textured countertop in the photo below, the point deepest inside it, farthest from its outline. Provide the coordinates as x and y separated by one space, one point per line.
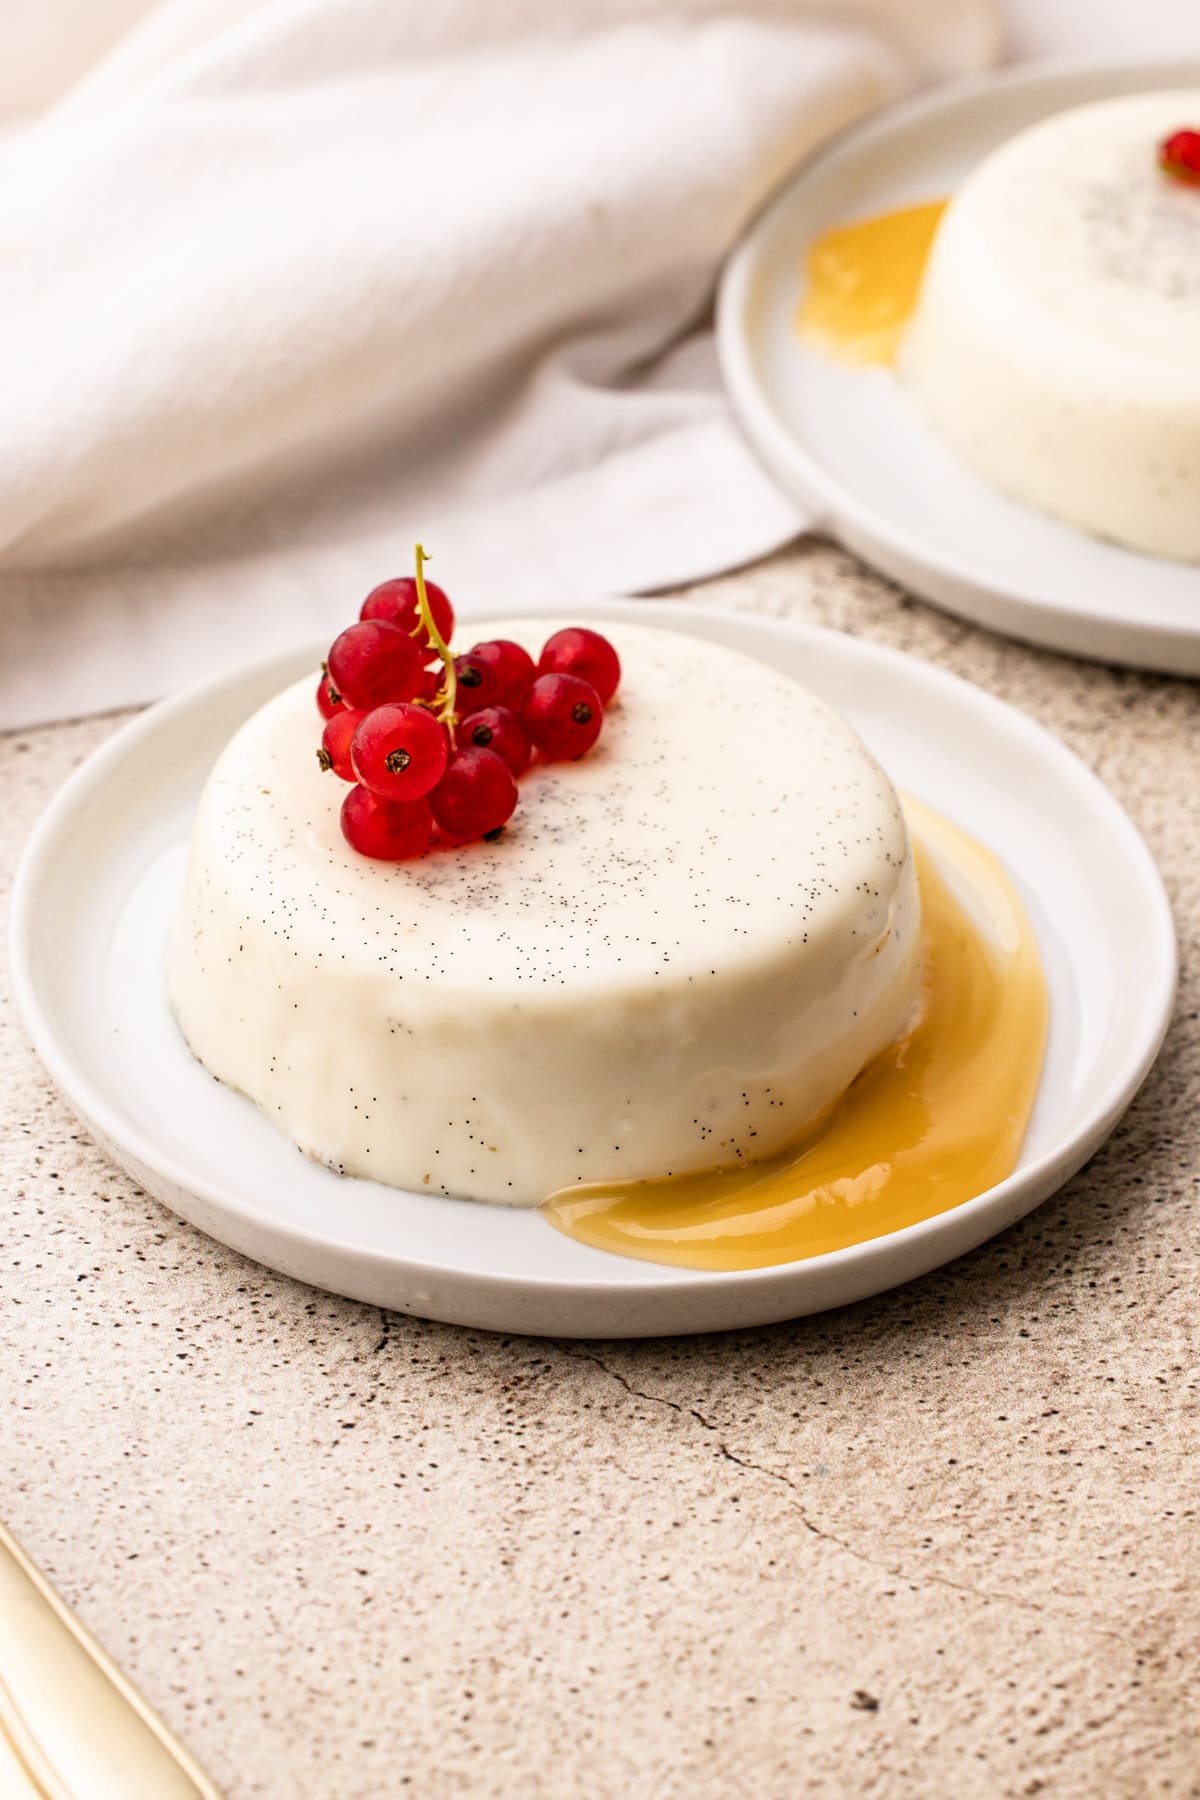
945 1542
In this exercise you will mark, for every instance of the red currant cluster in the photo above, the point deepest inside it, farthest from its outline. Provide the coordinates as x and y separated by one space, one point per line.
434 742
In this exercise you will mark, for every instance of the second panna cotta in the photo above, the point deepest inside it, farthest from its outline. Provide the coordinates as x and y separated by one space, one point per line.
1055 343
681 951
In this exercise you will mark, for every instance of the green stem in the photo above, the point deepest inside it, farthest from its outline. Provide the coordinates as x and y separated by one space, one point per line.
445 711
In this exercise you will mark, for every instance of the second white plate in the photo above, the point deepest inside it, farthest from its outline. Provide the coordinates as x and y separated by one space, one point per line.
854 450
102 877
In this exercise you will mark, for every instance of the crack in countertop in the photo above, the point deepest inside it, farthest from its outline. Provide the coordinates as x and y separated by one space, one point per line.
986 1595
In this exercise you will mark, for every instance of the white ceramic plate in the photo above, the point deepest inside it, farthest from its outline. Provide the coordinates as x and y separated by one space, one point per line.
851 446
102 876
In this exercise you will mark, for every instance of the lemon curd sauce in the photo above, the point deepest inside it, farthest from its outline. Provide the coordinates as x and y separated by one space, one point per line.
864 280
937 1118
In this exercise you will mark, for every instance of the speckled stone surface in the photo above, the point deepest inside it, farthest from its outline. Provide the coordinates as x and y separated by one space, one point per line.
942 1542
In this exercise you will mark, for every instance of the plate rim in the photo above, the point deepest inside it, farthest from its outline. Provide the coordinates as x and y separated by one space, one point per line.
1055 1165
1028 614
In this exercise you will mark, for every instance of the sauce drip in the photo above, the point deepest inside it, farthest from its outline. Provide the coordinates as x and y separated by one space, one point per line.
863 282
935 1119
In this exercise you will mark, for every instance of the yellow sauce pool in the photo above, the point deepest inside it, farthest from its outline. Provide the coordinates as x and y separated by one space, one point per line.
936 1119
863 282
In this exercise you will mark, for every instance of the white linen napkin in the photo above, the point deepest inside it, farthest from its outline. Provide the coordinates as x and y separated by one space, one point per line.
288 283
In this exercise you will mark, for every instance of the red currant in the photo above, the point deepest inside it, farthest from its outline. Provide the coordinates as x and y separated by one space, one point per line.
329 701
400 751
335 742
511 665
396 602
1179 155
578 651
475 796
563 716
389 830
478 680
496 728
372 662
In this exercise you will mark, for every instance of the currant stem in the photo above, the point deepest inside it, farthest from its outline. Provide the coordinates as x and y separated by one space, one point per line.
445 711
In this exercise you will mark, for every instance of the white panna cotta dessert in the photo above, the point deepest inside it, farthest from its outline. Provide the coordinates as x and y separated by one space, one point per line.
1056 342
681 951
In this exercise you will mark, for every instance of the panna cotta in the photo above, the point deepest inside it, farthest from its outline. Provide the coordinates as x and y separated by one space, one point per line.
1055 345
681 951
